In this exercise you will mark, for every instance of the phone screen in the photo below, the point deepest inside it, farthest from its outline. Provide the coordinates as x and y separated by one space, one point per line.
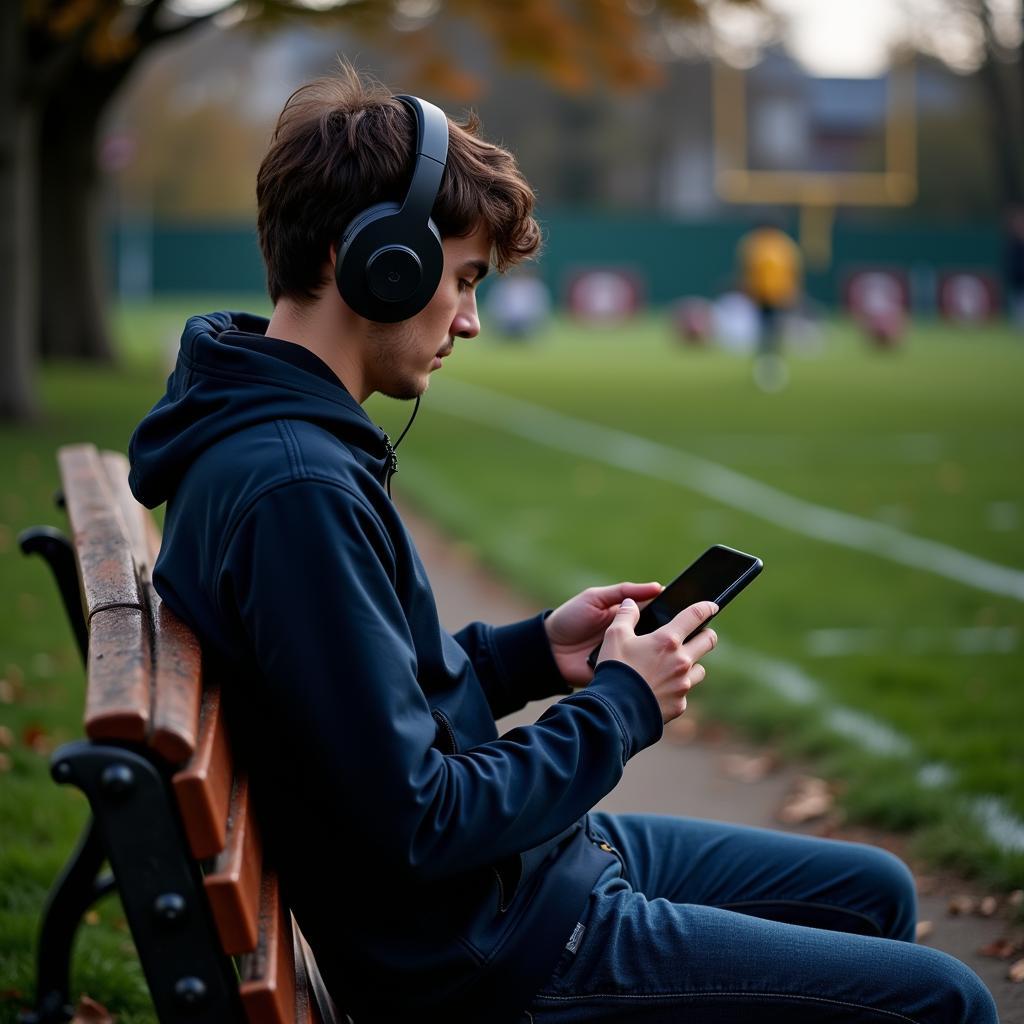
718 575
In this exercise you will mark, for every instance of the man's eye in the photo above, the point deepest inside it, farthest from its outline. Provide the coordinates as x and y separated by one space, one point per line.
464 284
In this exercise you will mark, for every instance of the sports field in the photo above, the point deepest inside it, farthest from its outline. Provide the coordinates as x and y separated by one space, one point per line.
883 490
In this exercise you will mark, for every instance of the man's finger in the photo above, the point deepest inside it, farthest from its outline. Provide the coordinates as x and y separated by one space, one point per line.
704 642
614 593
627 615
691 618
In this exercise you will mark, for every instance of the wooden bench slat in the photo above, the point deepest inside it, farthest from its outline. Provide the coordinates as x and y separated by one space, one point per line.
177 678
117 697
105 562
312 983
203 786
233 885
133 515
177 683
305 1003
268 975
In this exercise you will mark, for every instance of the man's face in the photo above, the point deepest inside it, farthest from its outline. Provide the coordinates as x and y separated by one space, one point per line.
401 357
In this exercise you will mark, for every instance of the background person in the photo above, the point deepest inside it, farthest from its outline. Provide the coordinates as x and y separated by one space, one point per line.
770 270
519 304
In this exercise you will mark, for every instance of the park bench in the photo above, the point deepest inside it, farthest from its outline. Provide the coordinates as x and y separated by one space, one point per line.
171 812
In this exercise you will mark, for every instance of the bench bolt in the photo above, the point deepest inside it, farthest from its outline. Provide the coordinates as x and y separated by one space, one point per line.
117 779
190 991
169 907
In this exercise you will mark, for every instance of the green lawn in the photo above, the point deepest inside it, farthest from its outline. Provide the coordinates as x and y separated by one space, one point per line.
915 675
904 674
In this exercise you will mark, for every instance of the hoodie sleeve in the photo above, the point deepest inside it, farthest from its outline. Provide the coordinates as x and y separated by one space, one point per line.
311 574
514 663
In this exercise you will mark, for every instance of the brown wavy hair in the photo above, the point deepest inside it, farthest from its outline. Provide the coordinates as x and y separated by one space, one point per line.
343 143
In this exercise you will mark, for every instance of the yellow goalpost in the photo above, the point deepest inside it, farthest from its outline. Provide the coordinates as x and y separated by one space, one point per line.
816 193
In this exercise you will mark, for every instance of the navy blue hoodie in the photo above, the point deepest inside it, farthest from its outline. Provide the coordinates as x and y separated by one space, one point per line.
434 867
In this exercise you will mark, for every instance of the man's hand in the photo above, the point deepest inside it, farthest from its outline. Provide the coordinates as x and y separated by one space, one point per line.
668 665
577 627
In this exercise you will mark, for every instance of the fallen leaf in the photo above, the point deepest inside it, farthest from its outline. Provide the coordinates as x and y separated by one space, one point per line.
5 763
988 906
6 737
1001 949
961 905
7 693
747 769
88 1011
831 825
810 799
91 917
1016 898
36 738
924 929
1016 971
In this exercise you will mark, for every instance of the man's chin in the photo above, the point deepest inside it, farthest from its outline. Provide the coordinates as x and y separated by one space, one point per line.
406 391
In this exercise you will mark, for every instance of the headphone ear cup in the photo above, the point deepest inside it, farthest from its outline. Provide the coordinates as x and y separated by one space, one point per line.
387 269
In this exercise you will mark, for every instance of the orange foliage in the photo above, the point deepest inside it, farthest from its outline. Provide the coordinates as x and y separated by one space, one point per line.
573 43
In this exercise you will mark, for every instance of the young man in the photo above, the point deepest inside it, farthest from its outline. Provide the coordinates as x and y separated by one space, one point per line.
439 871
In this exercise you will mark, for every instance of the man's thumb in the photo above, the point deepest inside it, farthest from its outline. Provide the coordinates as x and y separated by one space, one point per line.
628 612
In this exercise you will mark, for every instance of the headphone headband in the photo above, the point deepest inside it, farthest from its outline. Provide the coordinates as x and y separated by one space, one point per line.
430 154
431 128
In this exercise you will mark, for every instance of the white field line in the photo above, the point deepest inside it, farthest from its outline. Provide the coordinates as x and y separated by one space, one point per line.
658 461
964 640
1003 828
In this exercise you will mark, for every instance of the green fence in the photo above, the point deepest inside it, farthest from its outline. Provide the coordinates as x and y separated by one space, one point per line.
671 257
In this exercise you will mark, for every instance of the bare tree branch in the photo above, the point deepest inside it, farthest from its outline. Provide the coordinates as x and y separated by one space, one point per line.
155 35
147 19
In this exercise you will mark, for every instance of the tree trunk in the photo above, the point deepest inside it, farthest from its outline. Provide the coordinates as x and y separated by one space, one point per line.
17 229
72 257
1003 130
1000 81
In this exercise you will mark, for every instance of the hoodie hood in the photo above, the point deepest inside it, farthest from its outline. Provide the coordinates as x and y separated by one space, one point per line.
229 376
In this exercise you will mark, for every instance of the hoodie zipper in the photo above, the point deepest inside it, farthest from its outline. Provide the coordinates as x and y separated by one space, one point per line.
392 462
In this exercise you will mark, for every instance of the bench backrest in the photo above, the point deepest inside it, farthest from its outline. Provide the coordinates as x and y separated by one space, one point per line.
145 687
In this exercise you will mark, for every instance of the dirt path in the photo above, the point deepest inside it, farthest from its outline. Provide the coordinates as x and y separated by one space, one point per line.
706 773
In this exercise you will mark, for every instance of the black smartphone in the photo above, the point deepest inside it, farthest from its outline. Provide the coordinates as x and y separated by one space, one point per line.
718 575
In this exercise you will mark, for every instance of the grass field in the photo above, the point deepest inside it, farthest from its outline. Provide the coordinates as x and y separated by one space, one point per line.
902 681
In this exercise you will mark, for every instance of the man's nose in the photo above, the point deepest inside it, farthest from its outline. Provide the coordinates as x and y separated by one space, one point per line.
467 322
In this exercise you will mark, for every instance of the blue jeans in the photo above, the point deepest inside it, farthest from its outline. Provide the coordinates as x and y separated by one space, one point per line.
707 922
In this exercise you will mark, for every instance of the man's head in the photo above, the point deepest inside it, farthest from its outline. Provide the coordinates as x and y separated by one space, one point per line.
343 144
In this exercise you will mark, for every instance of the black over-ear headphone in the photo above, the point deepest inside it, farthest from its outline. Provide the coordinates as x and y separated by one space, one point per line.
390 258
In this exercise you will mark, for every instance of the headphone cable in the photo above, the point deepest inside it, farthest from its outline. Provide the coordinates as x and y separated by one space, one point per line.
391 448
416 409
